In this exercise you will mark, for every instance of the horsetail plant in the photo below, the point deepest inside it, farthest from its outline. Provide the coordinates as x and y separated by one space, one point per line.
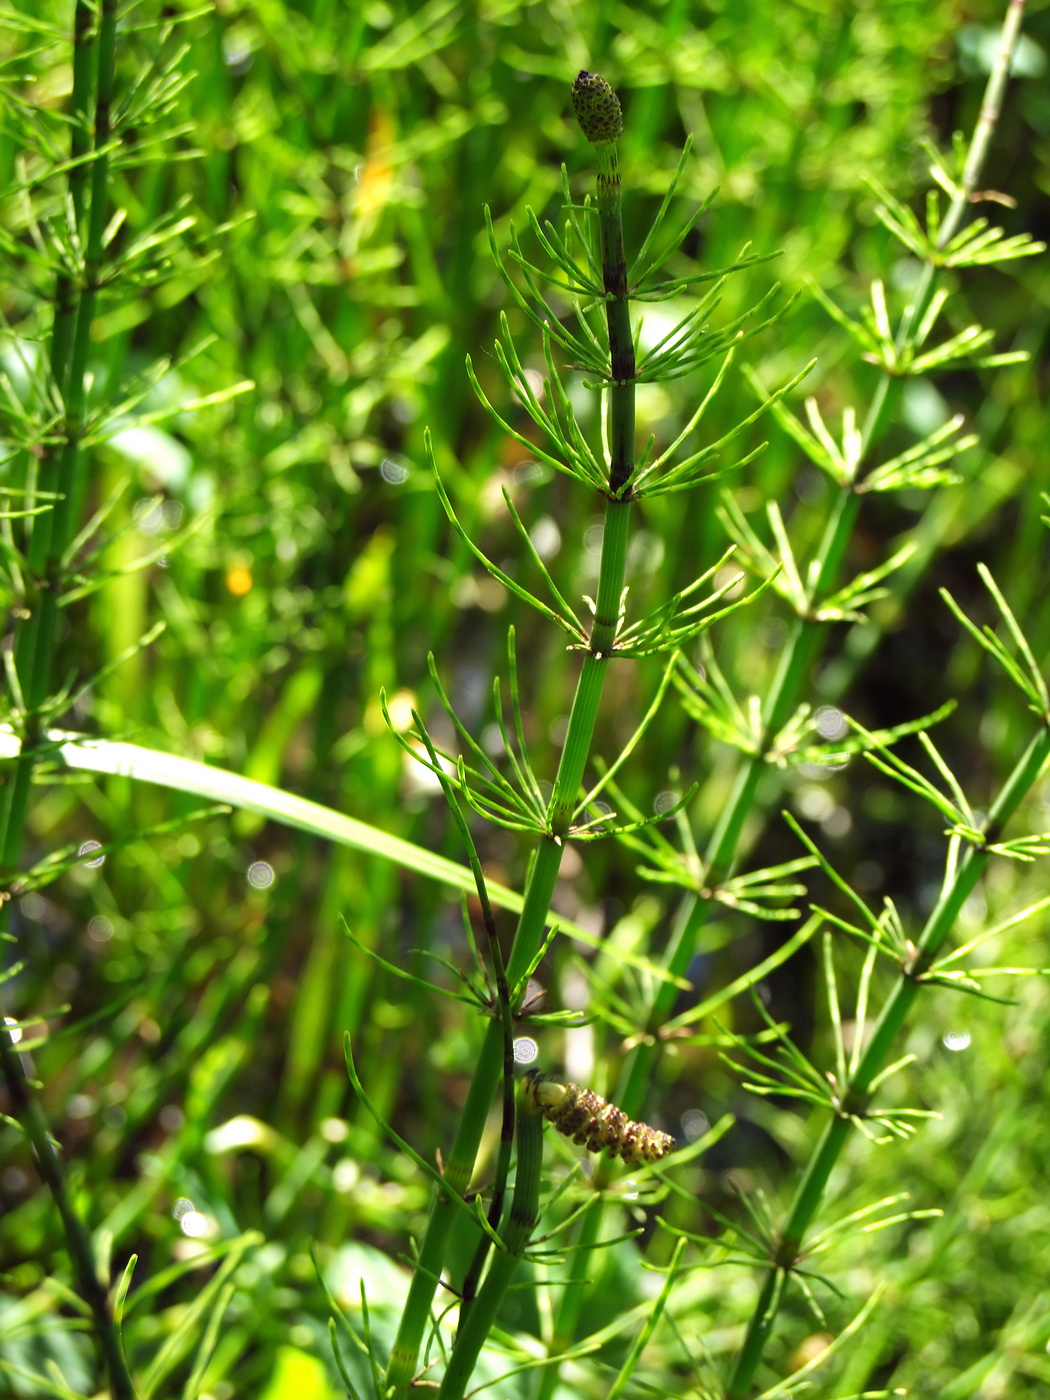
69 255
779 734
778 731
580 304
591 271
37 575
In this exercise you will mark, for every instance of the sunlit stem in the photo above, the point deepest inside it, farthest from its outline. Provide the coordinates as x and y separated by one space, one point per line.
584 711
573 1296
459 1166
864 638
837 1133
79 142
52 531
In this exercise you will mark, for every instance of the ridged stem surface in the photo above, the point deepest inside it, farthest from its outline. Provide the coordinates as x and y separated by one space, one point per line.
51 534
566 791
858 1092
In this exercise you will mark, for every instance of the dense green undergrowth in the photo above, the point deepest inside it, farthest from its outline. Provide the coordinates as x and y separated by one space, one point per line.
260 345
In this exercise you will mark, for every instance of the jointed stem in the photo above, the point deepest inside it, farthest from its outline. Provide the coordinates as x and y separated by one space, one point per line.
1025 774
573 1296
618 317
459 1166
858 1089
78 1241
863 640
534 916
49 537
79 144
795 662
544 873
521 1222
51 532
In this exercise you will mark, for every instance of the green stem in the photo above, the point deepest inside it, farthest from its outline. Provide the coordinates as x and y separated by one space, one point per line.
48 537
534 916
459 1167
857 1095
865 638
524 1212
795 662
79 145
506 1020
991 104
404 1356
589 688
52 531
564 797
573 1295
78 1241
63 515
941 921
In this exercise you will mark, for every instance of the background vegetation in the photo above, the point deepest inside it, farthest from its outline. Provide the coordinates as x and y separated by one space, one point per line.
322 170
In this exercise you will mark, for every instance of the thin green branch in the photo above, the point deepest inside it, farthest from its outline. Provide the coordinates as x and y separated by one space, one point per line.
871 1067
90 1285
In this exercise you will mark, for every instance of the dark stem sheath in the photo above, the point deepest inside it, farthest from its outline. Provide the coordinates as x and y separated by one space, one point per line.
618 319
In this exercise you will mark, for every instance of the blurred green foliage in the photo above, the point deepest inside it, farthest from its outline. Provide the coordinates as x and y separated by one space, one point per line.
335 161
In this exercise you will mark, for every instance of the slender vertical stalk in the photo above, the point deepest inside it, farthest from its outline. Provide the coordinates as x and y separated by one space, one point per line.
459 1166
618 317
888 387
976 154
818 1171
863 640
48 537
52 531
521 1222
50 542
857 1095
79 144
503 1005
795 661
569 777
601 121
78 1241
574 1292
